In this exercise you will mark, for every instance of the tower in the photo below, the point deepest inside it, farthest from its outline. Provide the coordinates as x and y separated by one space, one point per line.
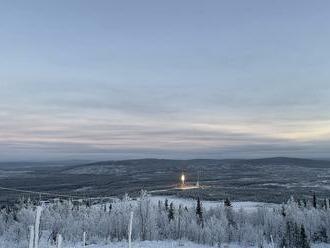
197 183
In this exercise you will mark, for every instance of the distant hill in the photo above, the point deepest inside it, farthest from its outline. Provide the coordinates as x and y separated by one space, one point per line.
267 179
112 166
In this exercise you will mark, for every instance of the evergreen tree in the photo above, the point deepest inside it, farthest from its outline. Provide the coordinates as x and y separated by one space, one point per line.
166 204
283 211
290 234
299 203
171 212
305 203
14 213
314 201
199 213
284 242
303 238
229 212
323 236
159 205
227 202
296 236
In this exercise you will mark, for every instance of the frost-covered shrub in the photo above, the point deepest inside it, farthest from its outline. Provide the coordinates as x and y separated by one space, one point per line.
151 221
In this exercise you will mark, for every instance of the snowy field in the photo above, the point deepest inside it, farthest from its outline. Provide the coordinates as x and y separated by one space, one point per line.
174 244
248 206
147 244
152 244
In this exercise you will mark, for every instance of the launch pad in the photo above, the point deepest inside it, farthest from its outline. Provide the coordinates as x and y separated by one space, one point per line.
183 185
186 187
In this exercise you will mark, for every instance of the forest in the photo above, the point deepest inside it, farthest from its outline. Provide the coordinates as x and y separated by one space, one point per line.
298 223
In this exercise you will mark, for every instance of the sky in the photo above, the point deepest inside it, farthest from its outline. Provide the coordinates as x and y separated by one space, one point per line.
164 79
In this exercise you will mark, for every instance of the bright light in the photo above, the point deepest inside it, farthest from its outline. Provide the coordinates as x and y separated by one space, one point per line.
183 178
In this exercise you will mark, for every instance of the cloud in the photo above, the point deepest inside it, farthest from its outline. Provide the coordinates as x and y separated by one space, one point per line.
164 81
101 119
95 136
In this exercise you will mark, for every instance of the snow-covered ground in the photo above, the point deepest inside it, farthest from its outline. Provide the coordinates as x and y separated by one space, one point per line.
146 244
164 244
321 245
248 206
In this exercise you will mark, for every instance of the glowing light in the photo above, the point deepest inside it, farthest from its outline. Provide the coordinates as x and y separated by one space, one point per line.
183 178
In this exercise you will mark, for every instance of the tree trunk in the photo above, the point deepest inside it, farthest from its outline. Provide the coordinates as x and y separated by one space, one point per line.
31 236
36 227
59 241
130 230
84 239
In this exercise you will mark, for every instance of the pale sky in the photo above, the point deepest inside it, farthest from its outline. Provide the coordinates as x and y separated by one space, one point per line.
167 79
